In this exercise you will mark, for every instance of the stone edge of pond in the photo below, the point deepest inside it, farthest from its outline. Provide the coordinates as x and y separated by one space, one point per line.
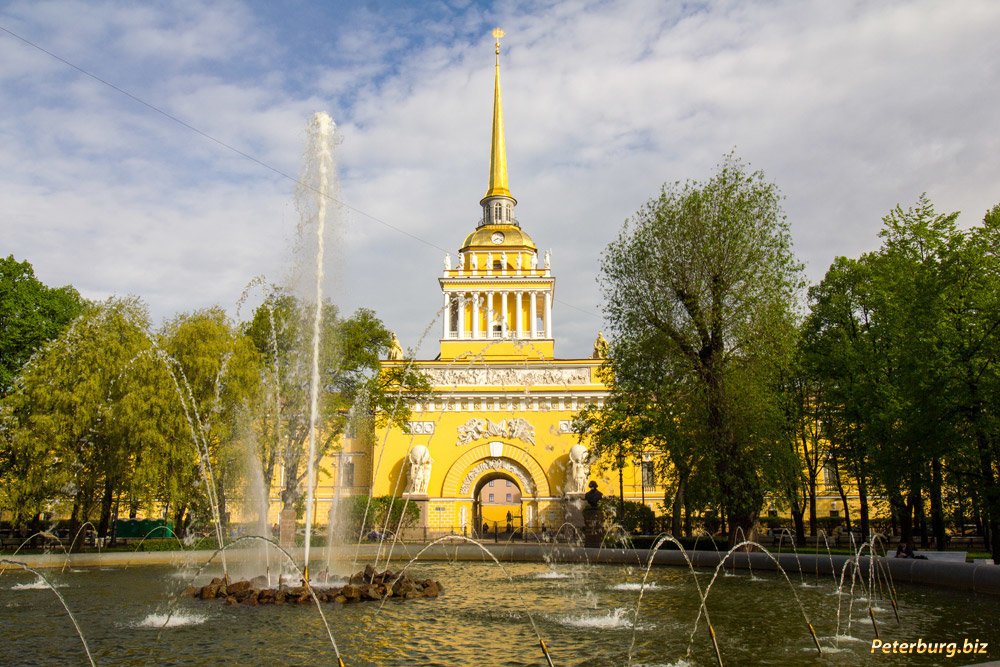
976 578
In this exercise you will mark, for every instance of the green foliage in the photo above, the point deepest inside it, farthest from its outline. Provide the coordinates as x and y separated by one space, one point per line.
215 390
903 342
700 291
30 315
83 412
379 514
637 517
358 394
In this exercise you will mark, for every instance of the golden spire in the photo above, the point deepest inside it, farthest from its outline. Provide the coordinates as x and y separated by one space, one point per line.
498 153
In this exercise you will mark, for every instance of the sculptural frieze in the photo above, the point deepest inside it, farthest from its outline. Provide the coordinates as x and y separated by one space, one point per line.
477 428
508 377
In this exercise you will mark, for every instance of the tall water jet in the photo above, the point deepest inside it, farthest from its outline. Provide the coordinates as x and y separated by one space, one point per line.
315 190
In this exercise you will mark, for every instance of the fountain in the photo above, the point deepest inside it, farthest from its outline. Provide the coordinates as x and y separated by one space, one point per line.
506 603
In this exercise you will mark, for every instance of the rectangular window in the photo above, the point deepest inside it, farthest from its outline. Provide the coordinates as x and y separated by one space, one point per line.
348 479
508 498
491 497
491 482
508 483
834 513
648 474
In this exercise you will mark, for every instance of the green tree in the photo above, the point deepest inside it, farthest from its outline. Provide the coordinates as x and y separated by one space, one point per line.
902 342
703 283
842 352
30 315
216 373
358 393
379 514
84 411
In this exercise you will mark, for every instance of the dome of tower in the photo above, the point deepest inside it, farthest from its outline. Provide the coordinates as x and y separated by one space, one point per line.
501 237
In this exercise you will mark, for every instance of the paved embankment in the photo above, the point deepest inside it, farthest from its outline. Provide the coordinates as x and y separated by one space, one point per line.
961 576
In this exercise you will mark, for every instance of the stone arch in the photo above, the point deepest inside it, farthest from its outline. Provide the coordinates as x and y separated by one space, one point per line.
496 455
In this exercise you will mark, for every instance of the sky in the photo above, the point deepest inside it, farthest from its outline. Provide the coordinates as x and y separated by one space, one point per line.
166 168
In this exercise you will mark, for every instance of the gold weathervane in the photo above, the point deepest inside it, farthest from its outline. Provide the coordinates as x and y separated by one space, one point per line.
498 33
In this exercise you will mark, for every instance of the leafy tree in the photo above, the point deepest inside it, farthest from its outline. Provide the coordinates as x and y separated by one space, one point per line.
84 410
701 284
30 315
217 377
357 389
841 350
903 343
633 517
627 429
383 513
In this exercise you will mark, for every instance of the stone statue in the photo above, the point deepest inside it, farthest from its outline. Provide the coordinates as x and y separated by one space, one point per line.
420 470
395 349
601 346
519 261
503 261
548 259
447 261
534 260
461 261
579 469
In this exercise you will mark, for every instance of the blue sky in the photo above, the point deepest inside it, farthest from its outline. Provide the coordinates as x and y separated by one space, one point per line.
850 107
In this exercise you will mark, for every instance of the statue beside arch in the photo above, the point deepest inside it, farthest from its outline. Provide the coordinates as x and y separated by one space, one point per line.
579 469
420 470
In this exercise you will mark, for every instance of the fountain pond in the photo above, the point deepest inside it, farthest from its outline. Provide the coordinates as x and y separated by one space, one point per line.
584 613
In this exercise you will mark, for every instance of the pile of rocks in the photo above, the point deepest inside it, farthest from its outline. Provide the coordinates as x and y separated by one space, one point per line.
367 585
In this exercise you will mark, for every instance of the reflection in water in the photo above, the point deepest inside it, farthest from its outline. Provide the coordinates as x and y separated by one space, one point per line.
584 620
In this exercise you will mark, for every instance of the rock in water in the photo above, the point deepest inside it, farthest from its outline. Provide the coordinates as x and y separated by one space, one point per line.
366 585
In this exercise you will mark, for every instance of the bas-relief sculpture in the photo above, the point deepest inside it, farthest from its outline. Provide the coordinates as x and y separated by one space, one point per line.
420 470
508 377
516 428
576 481
527 485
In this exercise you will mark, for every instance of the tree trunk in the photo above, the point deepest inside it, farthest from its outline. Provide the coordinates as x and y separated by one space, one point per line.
843 496
937 509
75 522
107 499
812 507
866 527
798 521
179 527
675 520
905 512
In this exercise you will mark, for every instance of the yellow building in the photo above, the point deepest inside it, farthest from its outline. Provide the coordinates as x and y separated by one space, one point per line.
493 439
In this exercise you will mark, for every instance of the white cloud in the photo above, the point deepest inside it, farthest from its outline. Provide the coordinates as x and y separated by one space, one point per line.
851 107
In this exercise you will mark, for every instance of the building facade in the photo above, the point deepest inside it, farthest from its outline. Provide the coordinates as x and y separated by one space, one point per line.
492 444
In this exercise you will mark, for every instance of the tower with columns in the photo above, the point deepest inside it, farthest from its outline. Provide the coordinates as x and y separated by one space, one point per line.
498 298
492 444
